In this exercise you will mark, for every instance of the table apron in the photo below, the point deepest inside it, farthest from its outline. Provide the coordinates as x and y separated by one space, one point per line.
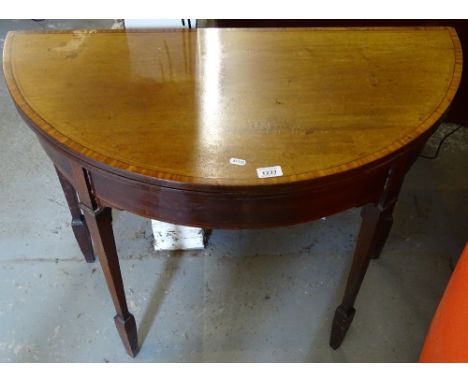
229 210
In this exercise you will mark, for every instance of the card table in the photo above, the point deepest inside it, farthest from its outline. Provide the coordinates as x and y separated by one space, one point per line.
232 128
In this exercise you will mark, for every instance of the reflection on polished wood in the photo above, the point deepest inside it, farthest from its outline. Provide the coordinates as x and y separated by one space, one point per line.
146 121
177 105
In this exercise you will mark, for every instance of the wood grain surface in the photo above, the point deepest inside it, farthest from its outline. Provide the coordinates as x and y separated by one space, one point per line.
176 105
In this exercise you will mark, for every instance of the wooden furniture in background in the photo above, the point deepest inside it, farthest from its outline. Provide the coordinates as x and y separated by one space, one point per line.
147 121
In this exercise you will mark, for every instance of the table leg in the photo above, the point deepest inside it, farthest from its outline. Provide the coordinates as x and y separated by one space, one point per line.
100 225
375 226
387 202
78 224
345 312
99 220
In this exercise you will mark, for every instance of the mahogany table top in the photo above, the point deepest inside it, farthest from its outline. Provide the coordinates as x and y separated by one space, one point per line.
177 105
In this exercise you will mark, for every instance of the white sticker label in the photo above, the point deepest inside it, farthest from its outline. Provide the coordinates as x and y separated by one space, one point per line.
269 172
237 161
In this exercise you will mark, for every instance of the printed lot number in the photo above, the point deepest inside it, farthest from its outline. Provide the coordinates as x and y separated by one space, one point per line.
269 172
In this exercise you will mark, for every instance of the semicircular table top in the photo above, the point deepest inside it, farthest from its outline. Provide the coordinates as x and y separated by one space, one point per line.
177 105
